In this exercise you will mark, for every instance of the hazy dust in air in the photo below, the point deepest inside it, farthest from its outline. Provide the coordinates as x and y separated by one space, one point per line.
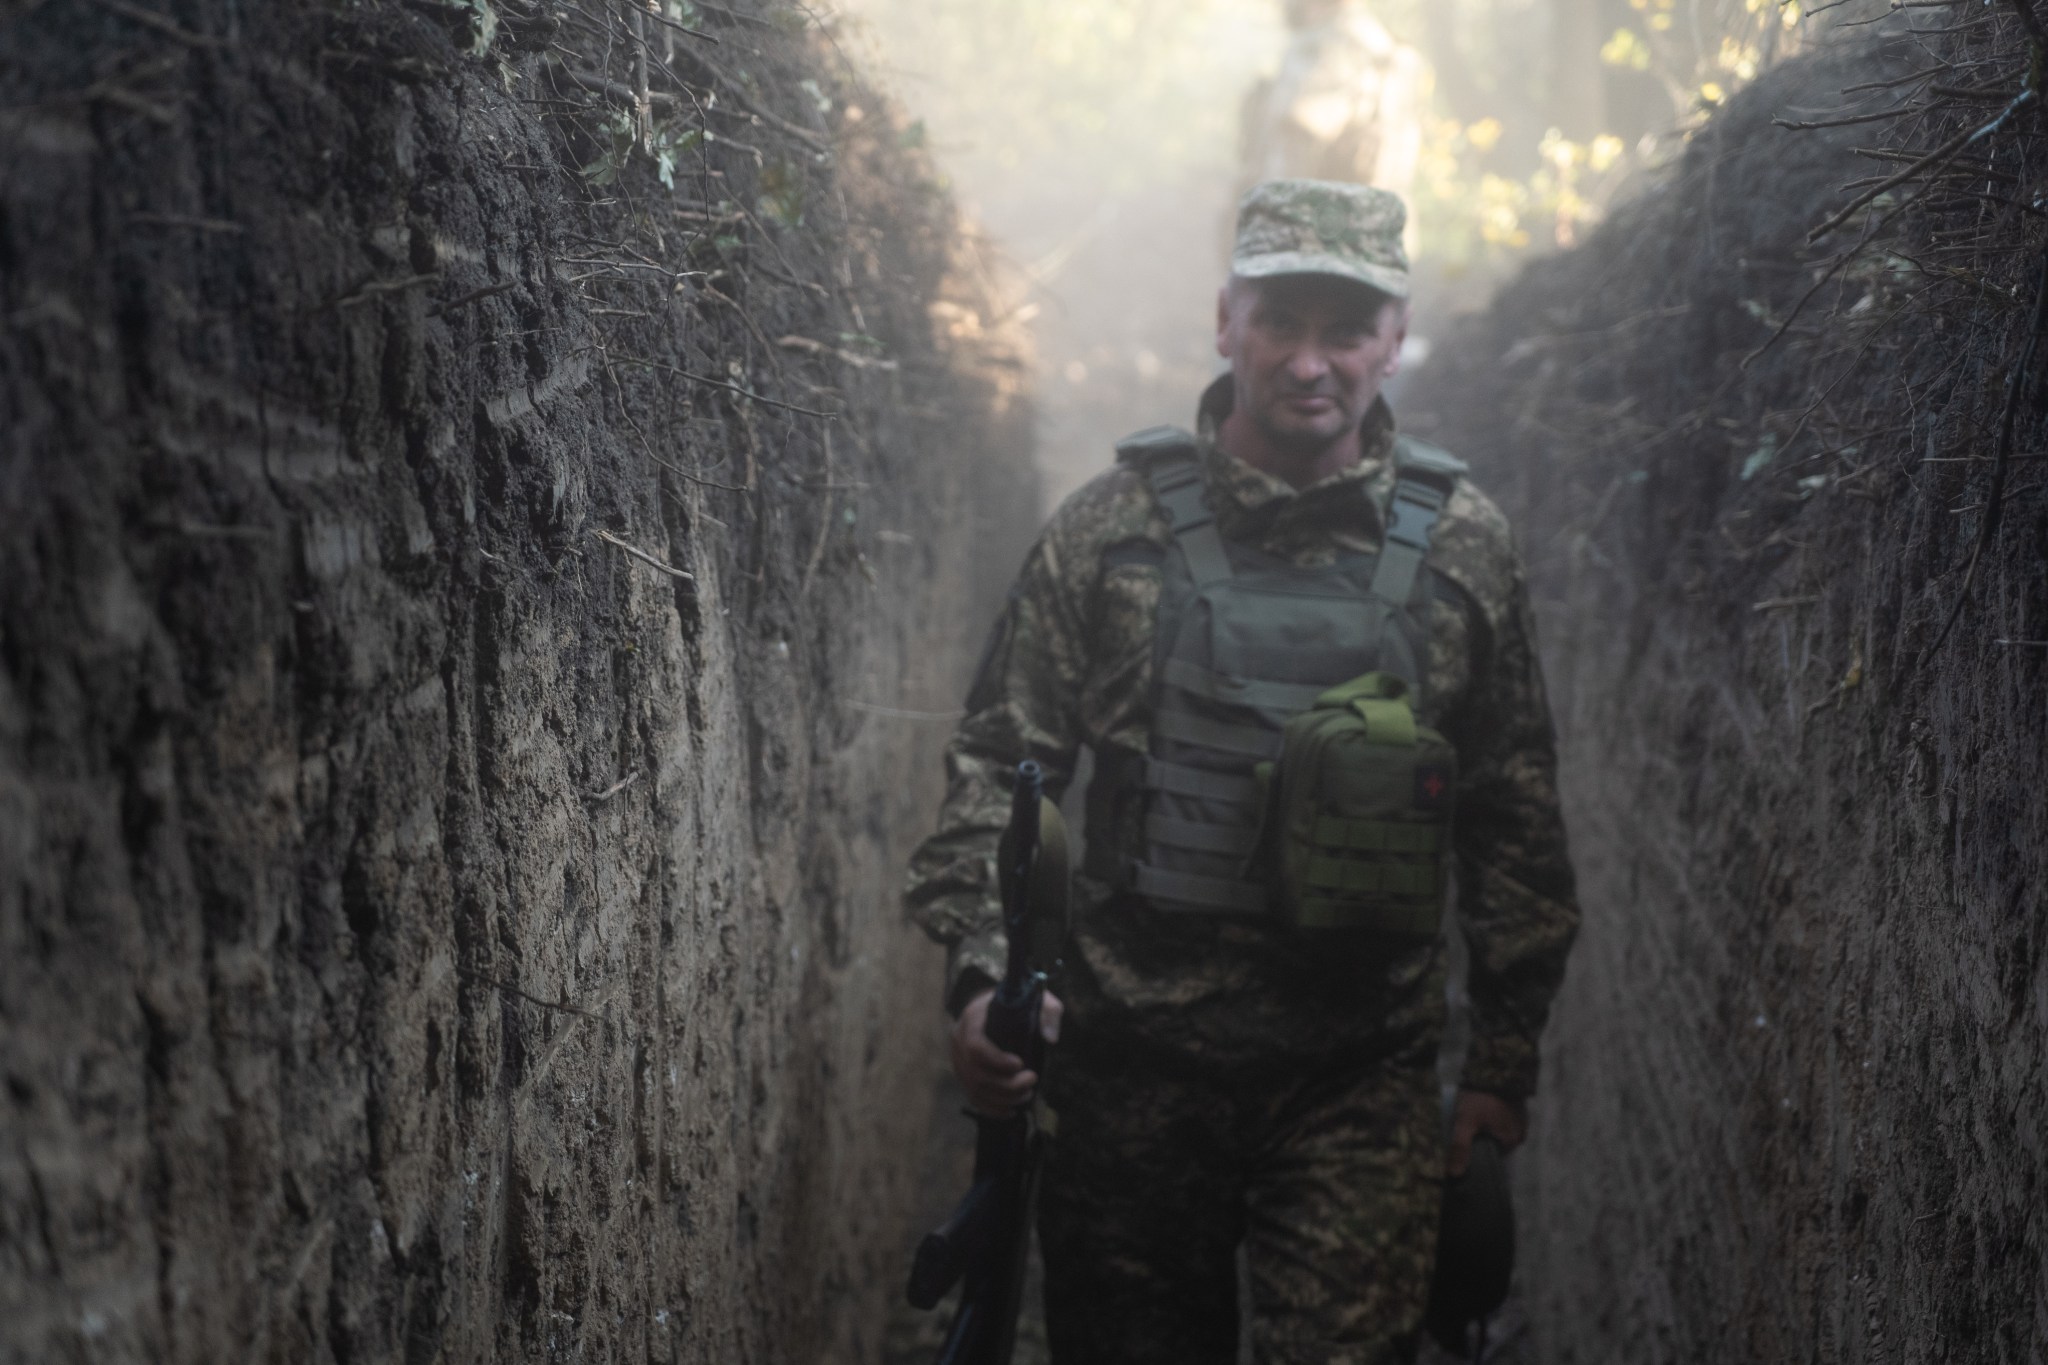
1097 143
1101 144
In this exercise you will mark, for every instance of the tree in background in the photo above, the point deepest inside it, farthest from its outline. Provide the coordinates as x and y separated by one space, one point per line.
1348 102
1524 152
1512 122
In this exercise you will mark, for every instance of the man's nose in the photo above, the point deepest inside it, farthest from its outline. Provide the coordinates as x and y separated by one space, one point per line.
1306 365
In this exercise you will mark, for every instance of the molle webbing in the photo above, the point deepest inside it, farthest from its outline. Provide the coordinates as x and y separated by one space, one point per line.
1260 694
1246 641
1182 780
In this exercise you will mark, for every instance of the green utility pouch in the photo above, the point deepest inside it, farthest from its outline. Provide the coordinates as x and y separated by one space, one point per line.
1357 822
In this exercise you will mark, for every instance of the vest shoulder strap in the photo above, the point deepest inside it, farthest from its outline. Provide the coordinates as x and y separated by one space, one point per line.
1424 458
1424 479
1141 449
1169 458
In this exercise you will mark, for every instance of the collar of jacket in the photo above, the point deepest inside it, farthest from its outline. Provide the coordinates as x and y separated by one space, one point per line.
1248 500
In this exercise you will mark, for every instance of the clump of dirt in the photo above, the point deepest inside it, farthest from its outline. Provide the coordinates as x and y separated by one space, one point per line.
499 501
1792 1089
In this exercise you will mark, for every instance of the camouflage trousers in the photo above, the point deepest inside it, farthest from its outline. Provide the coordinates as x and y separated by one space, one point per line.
1331 1182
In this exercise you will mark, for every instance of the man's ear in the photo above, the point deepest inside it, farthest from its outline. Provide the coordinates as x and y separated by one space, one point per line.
1223 321
1396 318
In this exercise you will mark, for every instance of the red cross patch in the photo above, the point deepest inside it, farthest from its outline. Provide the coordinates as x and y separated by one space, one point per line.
1432 787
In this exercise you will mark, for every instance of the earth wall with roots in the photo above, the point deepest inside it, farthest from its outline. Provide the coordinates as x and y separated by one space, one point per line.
1772 441
500 499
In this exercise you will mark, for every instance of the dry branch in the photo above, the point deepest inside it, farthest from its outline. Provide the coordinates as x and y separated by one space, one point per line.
645 558
1939 155
380 287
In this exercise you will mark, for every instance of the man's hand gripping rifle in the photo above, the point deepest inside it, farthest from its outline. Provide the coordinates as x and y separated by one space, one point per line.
987 1238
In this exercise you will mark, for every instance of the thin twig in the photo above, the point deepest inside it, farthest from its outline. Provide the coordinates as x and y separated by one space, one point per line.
512 990
201 530
1994 499
811 346
1806 298
110 93
1896 81
1940 154
712 292
739 389
1801 125
186 220
1870 233
824 524
377 287
1988 94
599 798
645 558
150 19
662 270
697 478
904 713
654 13
1953 166
737 16
443 309
2032 23
643 107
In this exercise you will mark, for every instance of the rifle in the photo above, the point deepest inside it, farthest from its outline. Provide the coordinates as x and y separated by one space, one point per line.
987 1239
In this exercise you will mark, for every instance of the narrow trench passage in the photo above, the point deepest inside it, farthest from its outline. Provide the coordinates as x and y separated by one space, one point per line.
504 502
1764 435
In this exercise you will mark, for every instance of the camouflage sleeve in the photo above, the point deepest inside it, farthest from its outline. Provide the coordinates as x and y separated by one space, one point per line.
1022 705
1517 902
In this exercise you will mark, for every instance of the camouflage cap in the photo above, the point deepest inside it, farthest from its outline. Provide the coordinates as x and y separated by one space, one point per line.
1322 227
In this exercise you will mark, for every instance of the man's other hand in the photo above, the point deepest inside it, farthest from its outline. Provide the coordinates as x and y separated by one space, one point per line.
1477 1112
995 1081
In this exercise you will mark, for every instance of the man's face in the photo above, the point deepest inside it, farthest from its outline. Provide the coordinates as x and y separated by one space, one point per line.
1308 354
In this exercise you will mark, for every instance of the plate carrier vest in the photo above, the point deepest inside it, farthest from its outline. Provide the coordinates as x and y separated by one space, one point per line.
1244 641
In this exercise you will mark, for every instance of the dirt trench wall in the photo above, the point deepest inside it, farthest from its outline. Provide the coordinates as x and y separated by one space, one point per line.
1794 1086
460 717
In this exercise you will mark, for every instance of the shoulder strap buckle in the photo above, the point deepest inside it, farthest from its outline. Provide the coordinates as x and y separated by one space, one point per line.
1143 448
1170 460
1424 479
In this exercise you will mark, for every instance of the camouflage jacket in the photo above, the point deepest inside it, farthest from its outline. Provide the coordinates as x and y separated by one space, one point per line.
1070 665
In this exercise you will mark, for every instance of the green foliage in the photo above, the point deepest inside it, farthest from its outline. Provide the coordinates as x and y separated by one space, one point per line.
670 142
483 25
667 146
1041 108
1472 211
1467 215
1760 458
617 131
781 200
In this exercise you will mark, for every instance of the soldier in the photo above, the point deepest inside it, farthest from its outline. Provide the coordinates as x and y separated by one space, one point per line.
1236 1069
1346 104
